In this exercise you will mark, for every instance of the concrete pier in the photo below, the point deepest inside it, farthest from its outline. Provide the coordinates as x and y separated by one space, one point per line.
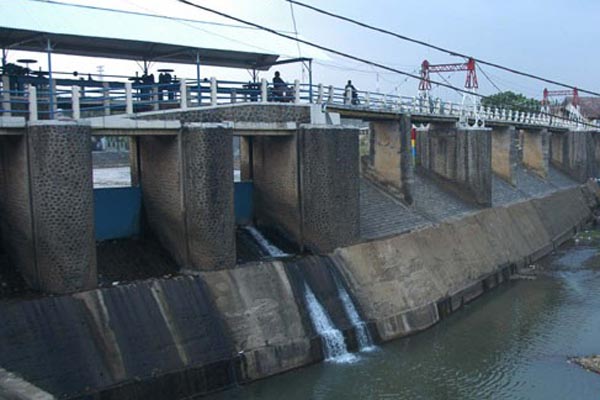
461 159
47 206
536 150
574 152
308 185
504 153
390 160
187 183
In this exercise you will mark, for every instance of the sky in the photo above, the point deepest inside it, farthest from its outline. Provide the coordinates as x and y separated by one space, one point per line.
551 38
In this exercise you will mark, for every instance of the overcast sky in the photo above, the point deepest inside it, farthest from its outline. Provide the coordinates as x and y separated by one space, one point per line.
552 38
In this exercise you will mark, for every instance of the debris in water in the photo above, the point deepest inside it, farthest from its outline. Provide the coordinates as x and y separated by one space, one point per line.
591 363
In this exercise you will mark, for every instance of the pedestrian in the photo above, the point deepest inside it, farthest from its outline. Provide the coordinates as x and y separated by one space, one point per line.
279 87
353 93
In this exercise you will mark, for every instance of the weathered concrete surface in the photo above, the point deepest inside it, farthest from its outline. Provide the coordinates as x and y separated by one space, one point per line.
47 206
400 281
148 340
188 194
329 185
13 387
573 152
504 153
536 150
461 159
308 185
260 311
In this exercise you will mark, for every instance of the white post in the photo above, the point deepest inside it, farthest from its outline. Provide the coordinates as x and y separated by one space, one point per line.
296 91
330 95
263 90
320 94
6 95
368 99
183 95
155 106
106 98
128 98
348 96
33 108
75 102
213 91
233 95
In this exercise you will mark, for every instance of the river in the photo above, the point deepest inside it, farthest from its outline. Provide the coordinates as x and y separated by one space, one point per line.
512 343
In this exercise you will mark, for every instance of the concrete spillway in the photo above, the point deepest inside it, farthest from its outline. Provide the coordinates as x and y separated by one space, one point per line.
173 338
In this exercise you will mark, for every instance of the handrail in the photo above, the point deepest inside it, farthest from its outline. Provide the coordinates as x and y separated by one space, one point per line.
80 98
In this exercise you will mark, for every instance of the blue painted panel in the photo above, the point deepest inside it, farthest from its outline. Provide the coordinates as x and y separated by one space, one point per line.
243 202
117 212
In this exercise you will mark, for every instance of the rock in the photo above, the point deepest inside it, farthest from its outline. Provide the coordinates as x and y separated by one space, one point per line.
591 363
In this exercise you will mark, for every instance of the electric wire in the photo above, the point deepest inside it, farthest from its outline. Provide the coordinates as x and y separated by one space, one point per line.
347 55
441 49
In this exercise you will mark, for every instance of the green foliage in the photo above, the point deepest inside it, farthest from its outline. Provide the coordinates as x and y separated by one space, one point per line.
514 101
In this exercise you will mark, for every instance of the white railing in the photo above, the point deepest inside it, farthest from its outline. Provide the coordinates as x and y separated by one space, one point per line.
126 98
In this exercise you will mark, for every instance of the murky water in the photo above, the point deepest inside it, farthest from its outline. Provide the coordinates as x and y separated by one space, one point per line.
513 343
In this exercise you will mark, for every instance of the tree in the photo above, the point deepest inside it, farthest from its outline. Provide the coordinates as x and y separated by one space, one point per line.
511 100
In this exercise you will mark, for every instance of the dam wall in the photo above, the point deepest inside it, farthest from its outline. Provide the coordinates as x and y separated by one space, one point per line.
170 338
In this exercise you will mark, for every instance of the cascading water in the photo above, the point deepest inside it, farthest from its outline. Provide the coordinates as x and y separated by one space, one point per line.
262 241
365 342
333 339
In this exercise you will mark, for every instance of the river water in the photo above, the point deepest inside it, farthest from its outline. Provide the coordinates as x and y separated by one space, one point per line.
512 343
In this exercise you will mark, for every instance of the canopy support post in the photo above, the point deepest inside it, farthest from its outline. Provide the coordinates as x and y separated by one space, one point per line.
50 81
199 88
310 81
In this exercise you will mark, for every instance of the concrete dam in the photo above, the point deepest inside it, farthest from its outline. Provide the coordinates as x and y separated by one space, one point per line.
351 240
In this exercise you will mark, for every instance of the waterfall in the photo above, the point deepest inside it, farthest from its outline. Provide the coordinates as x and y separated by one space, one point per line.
365 342
262 241
333 339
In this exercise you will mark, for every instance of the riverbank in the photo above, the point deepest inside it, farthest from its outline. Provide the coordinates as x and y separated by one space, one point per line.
172 338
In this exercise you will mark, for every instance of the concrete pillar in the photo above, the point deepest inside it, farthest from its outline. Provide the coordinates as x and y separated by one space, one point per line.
134 160
390 160
246 158
573 152
460 159
536 151
504 153
307 185
188 194
47 205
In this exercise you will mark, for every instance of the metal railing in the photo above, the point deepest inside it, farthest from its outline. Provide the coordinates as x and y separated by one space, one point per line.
95 98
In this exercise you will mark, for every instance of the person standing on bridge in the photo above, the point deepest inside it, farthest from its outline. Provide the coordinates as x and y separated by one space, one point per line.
279 87
351 94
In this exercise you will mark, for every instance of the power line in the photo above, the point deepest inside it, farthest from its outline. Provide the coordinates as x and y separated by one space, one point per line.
318 46
346 55
442 49
488 78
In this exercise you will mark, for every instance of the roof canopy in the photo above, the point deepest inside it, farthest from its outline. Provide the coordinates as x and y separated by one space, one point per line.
92 31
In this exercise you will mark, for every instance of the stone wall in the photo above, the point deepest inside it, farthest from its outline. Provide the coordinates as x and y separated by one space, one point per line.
238 113
460 159
63 206
329 186
187 184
